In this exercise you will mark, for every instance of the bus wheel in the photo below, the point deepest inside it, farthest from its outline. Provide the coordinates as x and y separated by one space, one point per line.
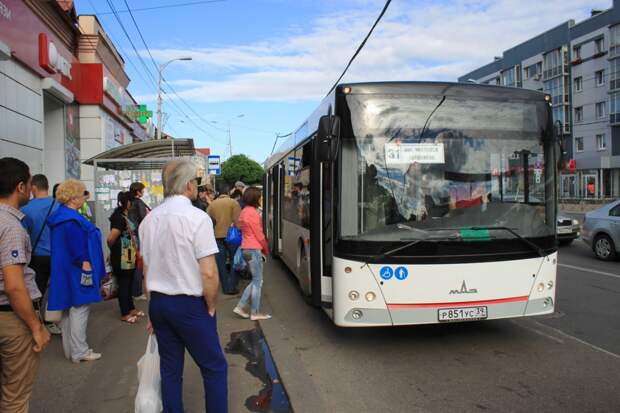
304 275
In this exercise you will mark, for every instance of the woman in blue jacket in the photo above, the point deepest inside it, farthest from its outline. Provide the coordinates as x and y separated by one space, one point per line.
77 269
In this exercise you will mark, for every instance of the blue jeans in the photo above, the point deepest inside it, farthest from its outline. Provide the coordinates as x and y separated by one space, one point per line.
180 322
228 279
252 292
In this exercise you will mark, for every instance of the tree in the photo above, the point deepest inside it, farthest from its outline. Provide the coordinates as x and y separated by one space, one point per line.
241 168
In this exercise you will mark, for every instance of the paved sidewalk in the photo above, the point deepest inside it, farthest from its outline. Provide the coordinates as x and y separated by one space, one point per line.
110 384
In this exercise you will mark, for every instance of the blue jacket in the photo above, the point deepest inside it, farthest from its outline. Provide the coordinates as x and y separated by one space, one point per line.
73 240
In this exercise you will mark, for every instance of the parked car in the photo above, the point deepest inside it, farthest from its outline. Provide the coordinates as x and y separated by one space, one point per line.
568 230
601 231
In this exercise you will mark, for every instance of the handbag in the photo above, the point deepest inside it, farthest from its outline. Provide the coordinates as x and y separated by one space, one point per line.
148 399
52 316
109 287
239 263
139 260
233 236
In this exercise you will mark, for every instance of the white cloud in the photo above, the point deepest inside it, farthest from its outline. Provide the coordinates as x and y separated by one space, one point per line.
415 41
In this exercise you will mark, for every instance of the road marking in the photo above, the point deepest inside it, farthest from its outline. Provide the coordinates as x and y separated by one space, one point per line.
585 343
540 333
574 267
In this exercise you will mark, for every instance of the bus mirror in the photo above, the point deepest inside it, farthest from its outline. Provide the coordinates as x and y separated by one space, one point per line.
329 127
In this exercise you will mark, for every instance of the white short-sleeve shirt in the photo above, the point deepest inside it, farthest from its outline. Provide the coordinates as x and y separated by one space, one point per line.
173 237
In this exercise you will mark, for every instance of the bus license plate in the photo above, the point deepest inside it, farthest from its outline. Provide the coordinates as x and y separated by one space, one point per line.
462 314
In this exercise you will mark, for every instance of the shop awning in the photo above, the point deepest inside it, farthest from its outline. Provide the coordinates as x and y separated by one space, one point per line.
143 155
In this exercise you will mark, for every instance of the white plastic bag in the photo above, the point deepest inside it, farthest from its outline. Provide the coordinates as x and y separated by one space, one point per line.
148 399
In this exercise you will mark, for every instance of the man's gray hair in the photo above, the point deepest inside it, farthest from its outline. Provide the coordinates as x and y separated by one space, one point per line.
176 174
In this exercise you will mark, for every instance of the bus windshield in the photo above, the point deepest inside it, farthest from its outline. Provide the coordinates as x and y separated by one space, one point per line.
412 164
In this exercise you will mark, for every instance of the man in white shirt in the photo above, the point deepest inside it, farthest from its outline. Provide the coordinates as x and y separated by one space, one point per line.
179 248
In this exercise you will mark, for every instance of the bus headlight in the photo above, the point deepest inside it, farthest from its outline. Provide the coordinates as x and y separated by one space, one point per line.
550 285
370 296
354 295
357 314
548 302
541 287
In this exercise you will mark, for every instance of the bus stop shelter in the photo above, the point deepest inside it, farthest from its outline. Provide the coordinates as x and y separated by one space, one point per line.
114 171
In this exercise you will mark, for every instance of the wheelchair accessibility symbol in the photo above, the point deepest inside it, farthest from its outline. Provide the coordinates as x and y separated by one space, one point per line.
386 273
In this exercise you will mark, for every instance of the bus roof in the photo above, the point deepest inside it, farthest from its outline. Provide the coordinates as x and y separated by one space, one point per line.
451 89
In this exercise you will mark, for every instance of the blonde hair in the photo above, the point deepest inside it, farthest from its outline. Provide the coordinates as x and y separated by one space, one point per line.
68 190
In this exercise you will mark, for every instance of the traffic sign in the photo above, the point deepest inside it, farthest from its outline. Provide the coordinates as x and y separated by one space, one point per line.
214 166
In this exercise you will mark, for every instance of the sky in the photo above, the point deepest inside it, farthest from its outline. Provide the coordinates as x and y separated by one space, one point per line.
260 67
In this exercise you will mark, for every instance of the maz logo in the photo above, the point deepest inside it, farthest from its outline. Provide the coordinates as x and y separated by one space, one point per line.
464 290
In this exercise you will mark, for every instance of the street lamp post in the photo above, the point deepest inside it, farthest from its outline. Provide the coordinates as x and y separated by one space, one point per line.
159 99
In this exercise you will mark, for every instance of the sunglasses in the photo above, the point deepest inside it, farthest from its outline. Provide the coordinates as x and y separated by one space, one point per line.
198 179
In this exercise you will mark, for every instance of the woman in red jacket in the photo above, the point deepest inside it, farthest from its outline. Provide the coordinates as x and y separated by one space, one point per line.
255 249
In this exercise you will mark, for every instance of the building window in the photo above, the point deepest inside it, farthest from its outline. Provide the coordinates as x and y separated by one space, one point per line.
600 110
601 144
599 45
579 114
552 63
579 144
614 74
600 77
614 108
578 84
577 53
508 77
614 40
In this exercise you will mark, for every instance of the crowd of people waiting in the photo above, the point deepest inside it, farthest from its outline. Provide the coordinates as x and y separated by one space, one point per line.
48 244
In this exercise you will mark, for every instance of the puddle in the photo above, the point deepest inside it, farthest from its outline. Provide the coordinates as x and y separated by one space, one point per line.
252 345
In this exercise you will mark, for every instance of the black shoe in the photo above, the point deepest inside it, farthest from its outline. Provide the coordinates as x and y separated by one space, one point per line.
231 293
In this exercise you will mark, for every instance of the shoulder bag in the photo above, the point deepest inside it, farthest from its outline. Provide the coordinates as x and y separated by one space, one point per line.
139 261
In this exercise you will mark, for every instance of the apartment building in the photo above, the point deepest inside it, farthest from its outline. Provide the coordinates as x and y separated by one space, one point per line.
578 64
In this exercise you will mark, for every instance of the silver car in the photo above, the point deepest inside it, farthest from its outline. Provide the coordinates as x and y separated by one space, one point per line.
601 231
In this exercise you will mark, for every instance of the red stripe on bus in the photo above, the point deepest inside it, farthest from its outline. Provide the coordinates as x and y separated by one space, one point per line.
459 304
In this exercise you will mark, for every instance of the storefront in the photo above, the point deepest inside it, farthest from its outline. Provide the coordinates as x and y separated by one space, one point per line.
40 80
108 120
590 184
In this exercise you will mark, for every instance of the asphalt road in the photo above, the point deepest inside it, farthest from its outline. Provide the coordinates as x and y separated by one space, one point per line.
567 362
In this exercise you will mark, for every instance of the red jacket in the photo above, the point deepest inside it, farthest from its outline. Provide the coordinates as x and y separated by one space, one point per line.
251 226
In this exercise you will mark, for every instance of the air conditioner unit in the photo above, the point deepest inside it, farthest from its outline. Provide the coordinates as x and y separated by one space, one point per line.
537 76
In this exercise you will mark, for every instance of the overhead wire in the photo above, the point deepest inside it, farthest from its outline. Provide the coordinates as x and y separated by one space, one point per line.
168 6
166 82
145 66
361 46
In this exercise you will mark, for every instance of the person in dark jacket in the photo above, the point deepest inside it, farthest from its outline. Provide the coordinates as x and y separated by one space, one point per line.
123 243
139 208
77 269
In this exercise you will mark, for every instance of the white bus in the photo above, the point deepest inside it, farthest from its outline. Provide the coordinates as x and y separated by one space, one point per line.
402 203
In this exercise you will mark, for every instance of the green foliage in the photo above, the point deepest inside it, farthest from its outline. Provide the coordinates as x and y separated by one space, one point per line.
241 168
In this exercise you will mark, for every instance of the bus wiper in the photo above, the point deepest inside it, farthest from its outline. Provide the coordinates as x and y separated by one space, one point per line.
412 243
535 247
